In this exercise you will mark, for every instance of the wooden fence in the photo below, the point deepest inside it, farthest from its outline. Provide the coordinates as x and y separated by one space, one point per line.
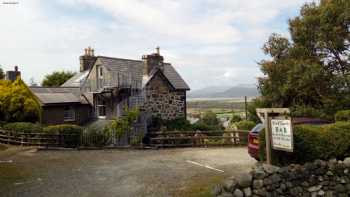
39 139
198 138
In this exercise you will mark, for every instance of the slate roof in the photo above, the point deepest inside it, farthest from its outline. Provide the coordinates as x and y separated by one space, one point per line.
58 95
135 67
76 80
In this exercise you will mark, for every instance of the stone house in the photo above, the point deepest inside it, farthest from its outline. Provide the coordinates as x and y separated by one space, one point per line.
106 86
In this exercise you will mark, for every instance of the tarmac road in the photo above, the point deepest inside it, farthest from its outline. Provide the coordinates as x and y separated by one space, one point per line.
105 173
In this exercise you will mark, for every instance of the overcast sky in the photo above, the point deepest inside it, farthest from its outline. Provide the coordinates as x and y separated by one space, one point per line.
210 42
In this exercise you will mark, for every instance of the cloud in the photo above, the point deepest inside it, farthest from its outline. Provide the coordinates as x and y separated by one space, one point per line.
209 41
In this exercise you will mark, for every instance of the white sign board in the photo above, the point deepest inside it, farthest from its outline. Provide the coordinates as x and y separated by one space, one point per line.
282 135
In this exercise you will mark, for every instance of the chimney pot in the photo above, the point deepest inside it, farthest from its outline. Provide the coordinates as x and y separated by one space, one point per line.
16 68
158 50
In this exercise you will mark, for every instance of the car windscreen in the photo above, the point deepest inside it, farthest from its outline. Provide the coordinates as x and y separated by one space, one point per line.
258 128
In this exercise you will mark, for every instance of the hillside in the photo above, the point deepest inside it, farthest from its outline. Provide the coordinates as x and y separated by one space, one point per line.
225 92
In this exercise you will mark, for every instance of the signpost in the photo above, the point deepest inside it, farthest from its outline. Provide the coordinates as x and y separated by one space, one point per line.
278 129
282 134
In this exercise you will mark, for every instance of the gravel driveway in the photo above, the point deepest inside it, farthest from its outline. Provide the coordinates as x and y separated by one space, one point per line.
168 172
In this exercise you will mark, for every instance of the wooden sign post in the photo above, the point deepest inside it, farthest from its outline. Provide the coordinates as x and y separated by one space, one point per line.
282 136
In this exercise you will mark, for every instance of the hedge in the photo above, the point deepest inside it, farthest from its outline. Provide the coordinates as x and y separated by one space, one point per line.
313 142
23 127
343 115
71 133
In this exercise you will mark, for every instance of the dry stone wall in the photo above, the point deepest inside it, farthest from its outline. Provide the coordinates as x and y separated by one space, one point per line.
320 178
163 101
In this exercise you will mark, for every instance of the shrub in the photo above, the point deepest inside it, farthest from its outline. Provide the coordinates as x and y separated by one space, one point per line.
179 124
313 142
2 123
23 127
235 118
210 118
71 133
245 125
97 137
343 115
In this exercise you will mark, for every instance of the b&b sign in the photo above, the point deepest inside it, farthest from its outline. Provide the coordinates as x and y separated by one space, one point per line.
282 134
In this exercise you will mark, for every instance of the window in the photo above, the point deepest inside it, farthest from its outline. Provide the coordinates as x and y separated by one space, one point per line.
101 109
69 113
100 71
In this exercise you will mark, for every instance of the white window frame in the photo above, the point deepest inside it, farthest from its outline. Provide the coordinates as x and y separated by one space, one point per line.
68 114
101 104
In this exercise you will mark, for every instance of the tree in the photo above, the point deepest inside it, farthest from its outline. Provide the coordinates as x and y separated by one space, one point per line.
17 102
2 75
313 68
57 78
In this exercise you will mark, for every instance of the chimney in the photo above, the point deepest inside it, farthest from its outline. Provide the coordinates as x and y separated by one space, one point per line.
153 61
87 60
12 75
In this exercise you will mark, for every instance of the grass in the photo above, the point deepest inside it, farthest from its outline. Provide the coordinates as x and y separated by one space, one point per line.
202 187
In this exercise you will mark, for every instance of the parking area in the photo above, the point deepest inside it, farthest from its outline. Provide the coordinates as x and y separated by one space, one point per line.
166 172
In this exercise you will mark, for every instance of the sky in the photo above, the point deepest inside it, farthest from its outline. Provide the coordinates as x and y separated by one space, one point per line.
209 42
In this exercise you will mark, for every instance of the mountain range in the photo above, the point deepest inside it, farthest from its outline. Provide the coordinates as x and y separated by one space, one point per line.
225 92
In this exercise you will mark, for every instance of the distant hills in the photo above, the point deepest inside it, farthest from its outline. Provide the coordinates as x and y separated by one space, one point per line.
225 92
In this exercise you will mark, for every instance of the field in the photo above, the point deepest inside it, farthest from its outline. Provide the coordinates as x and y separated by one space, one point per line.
222 107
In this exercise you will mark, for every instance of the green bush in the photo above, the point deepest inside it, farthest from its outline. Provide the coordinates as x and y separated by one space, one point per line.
235 118
307 111
97 137
71 133
23 127
313 142
179 124
343 115
245 125
2 123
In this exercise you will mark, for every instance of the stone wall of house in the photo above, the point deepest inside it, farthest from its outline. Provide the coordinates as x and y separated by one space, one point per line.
162 100
320 178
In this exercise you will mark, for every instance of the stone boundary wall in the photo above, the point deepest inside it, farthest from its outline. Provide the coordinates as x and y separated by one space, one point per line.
320 178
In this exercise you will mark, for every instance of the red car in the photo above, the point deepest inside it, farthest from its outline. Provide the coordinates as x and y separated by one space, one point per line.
253 136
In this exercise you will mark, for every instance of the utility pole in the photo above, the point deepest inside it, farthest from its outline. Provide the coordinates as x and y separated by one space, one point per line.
245 107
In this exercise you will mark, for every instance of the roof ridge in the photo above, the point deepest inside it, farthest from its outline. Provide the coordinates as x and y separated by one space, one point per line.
117 58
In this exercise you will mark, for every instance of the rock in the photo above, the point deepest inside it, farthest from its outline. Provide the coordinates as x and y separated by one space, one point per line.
259 173
258 184
238 193
245 180
314 188
347 161
339 188
230 184
247 192
260 192
275 178
321 193
226 194
329 194
270 168
329 173
217 190
267 181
